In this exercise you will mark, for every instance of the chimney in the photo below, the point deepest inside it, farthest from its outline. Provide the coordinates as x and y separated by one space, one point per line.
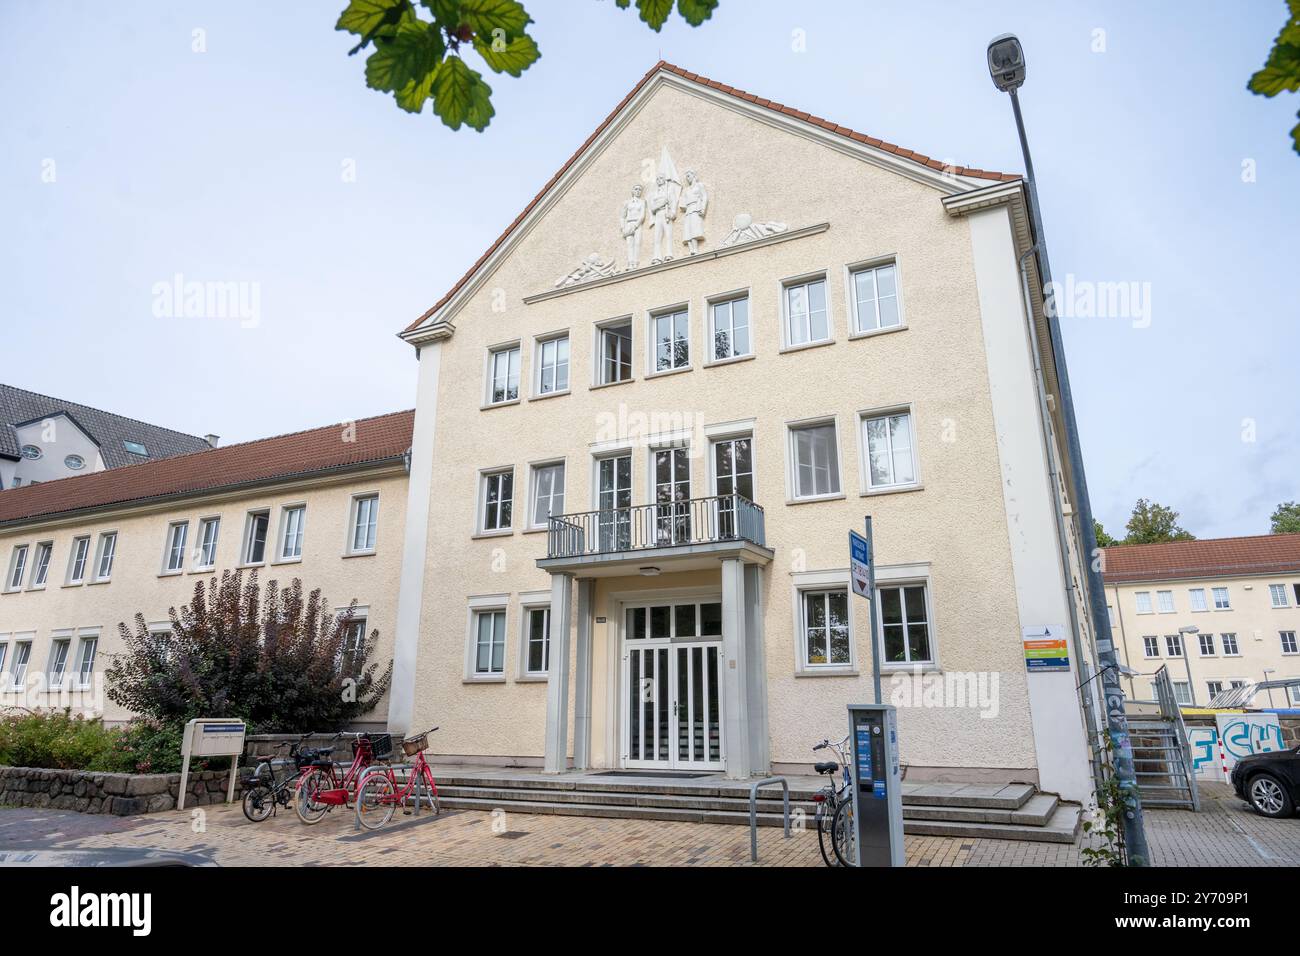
212 439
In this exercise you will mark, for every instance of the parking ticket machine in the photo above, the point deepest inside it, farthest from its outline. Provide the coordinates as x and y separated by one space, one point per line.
877 784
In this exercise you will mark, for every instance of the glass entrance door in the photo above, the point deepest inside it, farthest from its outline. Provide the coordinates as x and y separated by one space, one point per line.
672 688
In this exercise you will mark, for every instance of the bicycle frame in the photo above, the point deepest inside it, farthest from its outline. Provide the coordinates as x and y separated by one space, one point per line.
342 788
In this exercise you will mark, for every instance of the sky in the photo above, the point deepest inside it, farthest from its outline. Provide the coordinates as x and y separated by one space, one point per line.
130 158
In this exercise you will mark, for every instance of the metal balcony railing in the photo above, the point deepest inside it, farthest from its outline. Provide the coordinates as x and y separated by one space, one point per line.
660 525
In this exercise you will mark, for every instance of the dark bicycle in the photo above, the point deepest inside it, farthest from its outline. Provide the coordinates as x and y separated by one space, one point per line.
833 801
264 793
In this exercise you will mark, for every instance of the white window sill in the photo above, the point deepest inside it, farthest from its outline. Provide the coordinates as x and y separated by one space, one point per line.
622 381
36 587
99 581
827 670
485 679
542 396
664 373
814 500
360 554
714 363
72 584
206 569
805 345
498 533
12 591
514 401
171 574
532 679
872 333
542 530
278 562
891 490
249 565
922 667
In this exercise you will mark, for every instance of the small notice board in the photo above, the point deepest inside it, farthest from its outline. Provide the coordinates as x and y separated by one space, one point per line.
1045 648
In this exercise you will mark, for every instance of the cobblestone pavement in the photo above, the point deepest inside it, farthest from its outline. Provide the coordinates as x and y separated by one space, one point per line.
1226 832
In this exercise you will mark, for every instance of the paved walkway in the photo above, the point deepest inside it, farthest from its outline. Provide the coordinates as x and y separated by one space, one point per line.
1226 832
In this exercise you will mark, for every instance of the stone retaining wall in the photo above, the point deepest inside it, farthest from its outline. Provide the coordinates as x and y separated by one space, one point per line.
117 793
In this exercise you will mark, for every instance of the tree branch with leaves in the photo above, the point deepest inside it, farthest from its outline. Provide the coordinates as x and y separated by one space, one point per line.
1281 71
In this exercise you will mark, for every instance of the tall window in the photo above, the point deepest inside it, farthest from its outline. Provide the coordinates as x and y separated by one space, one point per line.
1143 599
730 321
806 320
175 557
489 642
875 298
733 474
614 501
22 656
672 340
615 352
104 560
209 530
354 640
1165 601
826 639
548 492
77 560
1197 598
1277 594
17 568
1207 645
365 522
553 365
905 624
1221 599
1229 645
537 661
291 528
816 461
672 496
255 537
42 570
86 660
58 663
504 375
1288 642
1174 645
1215 688
890 453
1182 692
498 500
1151 646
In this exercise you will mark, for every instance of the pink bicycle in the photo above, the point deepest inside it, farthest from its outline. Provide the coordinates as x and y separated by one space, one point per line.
378 795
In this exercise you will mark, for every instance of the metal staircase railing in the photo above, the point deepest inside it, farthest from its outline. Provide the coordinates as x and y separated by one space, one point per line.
1162 754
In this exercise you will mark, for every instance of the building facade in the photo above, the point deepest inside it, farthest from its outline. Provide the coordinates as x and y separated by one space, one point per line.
1217 614
648 416
84 554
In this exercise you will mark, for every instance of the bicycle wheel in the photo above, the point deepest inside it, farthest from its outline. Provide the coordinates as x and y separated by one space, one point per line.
844 834
376 800
258 803
309 809
824 823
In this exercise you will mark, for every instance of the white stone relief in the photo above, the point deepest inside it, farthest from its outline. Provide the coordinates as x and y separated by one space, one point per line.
631 222
694 204
664 200
595 266
745 229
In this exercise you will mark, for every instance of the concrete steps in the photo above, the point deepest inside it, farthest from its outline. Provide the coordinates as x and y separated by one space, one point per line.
1006 812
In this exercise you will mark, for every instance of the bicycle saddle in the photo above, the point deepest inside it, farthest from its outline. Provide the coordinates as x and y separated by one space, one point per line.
830 766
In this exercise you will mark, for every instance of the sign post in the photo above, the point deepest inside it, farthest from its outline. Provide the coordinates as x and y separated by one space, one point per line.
211 737
862 578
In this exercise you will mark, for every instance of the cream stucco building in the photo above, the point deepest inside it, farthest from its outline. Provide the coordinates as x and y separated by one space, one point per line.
631 485
1242 597
83 554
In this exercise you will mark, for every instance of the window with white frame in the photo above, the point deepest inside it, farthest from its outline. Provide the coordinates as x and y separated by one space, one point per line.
365 524
1165 601
174 558
86 660
670 339
77 559
729 326
1151 646
489 653
354 641
875 298
58 661
1288 642
292 519
806 318
498 498
614 351
815 460
255 534
104 555
1207 644
1143 599
1229 642
17 568
209 532
1182 692
553 365
41 568
905 624
548 492
1277 595
1294 693
4 650
22 657
614 502
1215 687
1221 599
890 450
503 375
537 647
733 474
1197 598
827 640
1174 645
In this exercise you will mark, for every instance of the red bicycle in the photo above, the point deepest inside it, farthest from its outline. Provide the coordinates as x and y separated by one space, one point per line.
378 795
321 788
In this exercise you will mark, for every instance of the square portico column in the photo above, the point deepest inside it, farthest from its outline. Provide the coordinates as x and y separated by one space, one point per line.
557 688
582 677
735 669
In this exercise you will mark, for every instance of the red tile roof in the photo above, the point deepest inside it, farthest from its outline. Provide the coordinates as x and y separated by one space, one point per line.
1214 557
330 448
722 88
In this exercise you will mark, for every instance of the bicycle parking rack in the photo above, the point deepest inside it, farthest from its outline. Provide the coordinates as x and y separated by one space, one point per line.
753 811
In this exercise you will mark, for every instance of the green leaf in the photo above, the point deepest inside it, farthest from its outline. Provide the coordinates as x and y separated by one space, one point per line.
446 12
486 16
512 57
1295 135
460 97
696 12
411 97
407 60
369 17
655 12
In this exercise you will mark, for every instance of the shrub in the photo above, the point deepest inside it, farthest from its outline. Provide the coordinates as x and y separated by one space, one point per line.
58 741
148 746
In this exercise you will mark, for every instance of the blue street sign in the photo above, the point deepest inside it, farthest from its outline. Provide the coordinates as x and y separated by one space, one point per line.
859 565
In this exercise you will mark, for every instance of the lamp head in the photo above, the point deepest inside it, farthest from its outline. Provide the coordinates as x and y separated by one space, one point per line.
1006 62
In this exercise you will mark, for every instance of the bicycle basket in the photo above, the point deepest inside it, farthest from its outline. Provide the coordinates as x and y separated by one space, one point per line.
381 746
415 745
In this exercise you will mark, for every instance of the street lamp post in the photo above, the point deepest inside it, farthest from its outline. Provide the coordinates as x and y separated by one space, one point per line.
1006 60
1187 632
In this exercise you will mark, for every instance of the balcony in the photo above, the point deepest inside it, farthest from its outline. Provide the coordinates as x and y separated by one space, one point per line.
691 531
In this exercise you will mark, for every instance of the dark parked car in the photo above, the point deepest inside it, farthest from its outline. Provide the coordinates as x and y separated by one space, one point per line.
1269 782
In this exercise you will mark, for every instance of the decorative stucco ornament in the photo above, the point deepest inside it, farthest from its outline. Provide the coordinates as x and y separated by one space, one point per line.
631 223
694 204
744 229
595 266
663 206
